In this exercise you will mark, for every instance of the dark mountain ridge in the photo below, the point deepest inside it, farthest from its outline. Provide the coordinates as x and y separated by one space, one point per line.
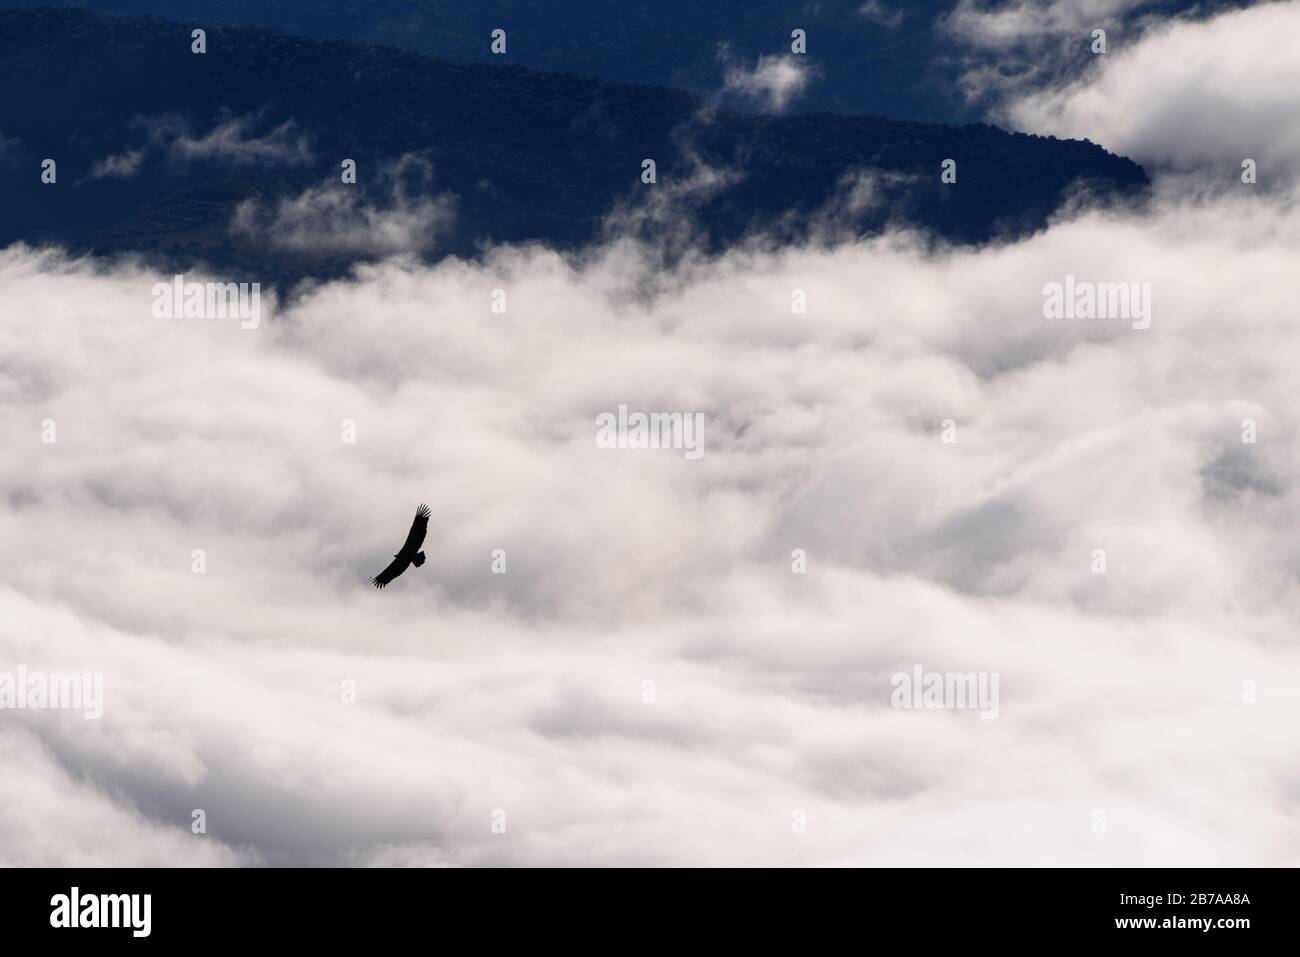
890 57
232 156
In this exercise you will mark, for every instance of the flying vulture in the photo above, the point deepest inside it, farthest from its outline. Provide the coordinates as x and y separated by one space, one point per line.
410 553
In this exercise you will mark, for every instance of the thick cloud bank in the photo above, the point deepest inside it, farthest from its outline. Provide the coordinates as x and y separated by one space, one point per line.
1188 95
1161 693
687 659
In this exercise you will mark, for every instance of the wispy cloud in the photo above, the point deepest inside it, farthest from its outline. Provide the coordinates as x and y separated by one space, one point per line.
230 141
773 82
877 12
121 166
338 219
1008 49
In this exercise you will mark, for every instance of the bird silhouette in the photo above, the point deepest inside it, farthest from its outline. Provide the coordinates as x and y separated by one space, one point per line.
410 553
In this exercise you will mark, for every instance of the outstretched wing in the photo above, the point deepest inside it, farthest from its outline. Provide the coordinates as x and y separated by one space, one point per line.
395 568
419 528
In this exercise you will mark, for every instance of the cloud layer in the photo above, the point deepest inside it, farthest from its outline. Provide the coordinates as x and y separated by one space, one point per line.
524 692
1190 96
650 682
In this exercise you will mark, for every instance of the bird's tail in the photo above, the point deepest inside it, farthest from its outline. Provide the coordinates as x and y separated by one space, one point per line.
418 560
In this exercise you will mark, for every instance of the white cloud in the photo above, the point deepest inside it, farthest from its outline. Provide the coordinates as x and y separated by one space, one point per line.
1004 26
774 81
522 692
120 166
877 12
230 140
336 218
1189 96
56 818
1012 49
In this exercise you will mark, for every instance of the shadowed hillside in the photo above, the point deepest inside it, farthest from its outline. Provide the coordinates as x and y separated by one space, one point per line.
889 57
233 156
